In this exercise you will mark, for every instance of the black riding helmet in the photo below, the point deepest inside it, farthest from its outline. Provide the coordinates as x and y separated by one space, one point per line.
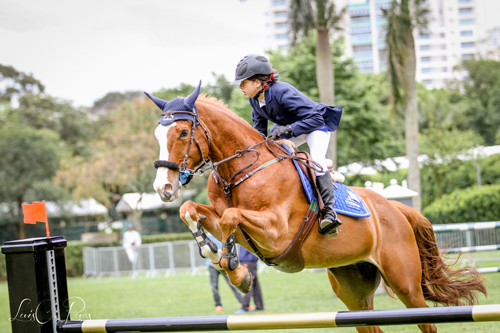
250 65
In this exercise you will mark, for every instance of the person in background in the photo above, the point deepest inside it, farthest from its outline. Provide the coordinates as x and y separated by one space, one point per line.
131 241
249 260
214 279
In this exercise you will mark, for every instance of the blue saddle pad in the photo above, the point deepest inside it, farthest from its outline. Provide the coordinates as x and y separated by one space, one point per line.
347 202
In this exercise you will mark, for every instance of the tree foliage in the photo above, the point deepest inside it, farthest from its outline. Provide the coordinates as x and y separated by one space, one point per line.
16 83
364 133
480 104
121 159
29 157
74 126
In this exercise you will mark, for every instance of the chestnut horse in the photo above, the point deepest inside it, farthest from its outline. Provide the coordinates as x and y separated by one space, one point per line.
396 243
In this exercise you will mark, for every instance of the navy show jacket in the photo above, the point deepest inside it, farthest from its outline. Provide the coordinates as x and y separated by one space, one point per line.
286 105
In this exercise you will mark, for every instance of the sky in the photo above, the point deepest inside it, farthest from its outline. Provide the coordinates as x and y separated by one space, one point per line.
81 50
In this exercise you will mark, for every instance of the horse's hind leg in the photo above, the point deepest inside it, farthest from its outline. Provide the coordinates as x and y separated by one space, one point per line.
404 277
355 285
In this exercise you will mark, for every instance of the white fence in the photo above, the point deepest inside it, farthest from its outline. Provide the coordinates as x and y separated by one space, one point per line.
168 257
158 258
470 237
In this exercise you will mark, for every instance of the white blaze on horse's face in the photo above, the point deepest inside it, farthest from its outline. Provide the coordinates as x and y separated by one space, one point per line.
167 187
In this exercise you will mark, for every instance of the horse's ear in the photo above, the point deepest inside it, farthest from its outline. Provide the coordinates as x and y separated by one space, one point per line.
193 97
158 101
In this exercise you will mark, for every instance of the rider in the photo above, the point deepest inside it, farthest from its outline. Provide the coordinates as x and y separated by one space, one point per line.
296 118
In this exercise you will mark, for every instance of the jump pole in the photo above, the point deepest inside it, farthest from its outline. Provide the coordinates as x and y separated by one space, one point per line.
438 315
38 296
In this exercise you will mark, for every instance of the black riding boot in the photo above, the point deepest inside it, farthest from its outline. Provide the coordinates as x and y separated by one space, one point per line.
330 222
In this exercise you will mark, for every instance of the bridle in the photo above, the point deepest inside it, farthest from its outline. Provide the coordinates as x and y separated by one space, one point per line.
186 174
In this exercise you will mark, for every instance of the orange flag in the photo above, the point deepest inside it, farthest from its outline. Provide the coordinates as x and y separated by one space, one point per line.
36 212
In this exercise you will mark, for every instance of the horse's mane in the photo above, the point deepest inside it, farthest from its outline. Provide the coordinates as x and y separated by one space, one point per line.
220 106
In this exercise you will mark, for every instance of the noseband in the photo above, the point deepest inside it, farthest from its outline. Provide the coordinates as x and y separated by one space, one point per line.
186 173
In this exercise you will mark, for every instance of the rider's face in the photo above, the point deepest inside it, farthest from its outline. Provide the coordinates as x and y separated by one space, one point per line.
250 88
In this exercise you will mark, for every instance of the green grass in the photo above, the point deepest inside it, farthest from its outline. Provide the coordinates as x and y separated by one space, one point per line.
184 295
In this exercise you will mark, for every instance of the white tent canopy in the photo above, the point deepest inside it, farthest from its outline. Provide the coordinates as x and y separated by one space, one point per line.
83 207
148 201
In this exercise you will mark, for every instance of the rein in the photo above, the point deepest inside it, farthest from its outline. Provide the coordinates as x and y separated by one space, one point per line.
228 186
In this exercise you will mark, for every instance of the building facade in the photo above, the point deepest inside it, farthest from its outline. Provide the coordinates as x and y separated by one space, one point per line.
457 30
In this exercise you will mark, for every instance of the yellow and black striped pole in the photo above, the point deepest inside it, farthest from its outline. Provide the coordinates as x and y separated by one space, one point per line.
457 314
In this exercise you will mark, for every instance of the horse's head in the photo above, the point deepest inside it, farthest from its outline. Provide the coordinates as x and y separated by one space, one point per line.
176 136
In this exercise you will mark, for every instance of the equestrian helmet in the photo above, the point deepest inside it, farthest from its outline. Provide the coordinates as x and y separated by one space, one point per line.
250 65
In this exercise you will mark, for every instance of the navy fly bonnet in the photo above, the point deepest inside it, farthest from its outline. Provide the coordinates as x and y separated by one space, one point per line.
186 105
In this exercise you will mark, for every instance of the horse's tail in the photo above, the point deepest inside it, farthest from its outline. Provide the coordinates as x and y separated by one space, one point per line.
440 283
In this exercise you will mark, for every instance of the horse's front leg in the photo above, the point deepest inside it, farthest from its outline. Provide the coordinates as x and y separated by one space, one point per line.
197 216
262 228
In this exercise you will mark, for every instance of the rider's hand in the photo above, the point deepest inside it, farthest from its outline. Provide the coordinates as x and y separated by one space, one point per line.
281 130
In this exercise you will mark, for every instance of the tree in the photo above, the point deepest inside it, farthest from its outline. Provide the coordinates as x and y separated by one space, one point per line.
222 89
321 16
481 101
15 83
365 133
403 17
30 157
112 100
446 149
41 111
122 158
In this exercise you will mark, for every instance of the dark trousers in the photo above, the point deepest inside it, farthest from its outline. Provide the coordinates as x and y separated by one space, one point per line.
255 291
214 283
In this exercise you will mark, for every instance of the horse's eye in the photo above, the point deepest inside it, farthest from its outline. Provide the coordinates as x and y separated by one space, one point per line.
184 133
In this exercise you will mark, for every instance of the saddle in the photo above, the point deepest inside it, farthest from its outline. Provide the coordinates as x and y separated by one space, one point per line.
347 203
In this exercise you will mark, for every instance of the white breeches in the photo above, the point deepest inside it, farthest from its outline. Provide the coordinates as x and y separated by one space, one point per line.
318 146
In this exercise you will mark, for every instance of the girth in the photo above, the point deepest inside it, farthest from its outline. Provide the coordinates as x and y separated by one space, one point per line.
291 261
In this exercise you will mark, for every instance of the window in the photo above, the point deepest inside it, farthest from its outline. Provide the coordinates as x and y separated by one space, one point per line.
466 33
362 48
466 21
358 19
280 36
281 25
425 59
468 45
464 11
426 70
280 14
467 56
279 2
425 47
427 82
464 1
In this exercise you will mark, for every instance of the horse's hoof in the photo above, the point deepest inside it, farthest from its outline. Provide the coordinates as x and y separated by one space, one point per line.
246 283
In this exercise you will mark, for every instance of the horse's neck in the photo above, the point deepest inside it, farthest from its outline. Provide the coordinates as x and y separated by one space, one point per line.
229 134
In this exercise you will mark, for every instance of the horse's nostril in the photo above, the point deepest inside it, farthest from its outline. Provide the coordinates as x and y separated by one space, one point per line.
168 188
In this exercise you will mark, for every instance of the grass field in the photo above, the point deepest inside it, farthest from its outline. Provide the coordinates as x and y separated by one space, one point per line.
185 295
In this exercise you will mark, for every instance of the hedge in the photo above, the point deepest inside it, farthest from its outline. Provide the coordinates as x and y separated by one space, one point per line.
473 204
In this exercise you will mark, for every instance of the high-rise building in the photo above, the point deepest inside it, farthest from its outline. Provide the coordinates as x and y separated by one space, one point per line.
457 30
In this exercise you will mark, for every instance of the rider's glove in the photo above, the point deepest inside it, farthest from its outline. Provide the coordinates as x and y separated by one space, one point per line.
281 130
